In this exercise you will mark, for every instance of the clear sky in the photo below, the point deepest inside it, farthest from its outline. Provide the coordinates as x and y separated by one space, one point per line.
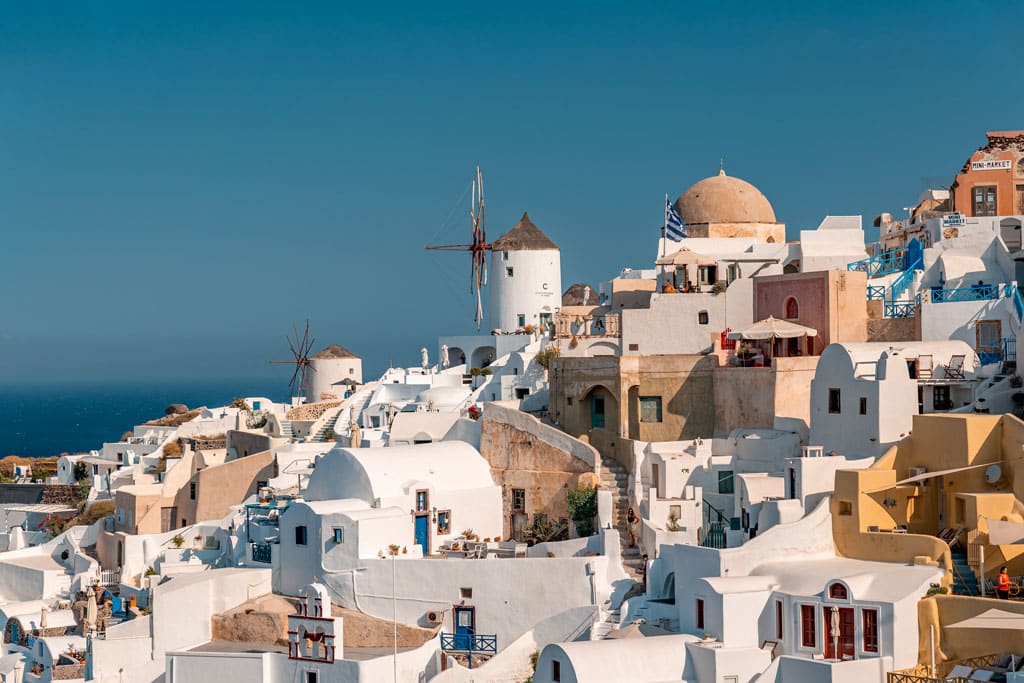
179 182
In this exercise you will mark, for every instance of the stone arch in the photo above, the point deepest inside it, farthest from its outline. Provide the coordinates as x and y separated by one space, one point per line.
601 409
483 356
1010 231
668 589
456 357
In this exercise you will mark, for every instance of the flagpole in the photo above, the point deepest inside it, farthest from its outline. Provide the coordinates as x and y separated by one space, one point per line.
664 226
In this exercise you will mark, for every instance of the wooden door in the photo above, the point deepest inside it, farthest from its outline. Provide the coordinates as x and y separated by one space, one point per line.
847 642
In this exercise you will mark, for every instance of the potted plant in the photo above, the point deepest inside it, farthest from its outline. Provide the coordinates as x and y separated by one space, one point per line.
329 434
393 548
178 540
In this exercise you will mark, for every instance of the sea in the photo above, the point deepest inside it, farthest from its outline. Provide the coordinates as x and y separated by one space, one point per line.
49 419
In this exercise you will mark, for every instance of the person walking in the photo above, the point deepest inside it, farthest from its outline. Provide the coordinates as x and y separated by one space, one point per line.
633 523
1003 584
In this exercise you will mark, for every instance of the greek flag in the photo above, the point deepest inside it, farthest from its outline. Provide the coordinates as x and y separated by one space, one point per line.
674 228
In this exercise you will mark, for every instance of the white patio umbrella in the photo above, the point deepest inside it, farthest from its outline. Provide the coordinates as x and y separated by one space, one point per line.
772 328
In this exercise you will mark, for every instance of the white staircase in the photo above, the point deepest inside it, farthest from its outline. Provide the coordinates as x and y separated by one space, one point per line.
286 429
607 621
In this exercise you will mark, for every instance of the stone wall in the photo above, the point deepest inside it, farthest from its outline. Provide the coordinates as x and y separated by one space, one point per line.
61 494
526 454
895 329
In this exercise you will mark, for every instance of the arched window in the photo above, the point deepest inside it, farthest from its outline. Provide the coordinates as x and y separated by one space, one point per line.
792 309
837 591
1020 166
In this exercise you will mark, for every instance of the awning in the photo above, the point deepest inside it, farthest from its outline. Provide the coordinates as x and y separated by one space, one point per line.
1005 533
773 328
938 473
993 619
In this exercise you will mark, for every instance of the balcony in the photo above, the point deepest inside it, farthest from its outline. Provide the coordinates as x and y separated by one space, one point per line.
971 293
568 326
469 643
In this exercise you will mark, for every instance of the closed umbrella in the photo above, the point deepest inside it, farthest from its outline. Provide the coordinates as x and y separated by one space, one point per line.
834 631
91 612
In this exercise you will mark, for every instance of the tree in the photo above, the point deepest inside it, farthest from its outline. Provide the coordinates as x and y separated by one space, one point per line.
582 502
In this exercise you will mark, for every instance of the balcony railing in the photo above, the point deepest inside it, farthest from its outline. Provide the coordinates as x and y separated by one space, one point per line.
883 264
900 309
971 293
876 292
261 553
469 642
568 326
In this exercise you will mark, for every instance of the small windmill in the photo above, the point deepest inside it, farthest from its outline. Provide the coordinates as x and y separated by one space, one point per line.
478 248
300 349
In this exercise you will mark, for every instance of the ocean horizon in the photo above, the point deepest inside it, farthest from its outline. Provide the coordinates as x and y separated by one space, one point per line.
39 420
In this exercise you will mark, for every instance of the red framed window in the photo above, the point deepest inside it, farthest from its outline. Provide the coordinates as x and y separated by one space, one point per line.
870 624
808 637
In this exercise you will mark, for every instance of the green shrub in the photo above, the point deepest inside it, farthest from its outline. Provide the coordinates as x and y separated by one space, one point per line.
582 502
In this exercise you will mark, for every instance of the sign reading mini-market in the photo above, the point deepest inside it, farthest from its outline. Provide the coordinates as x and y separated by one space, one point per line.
998 165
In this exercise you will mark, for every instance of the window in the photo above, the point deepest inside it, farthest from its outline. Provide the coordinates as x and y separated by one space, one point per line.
509 271
941 398
985 200
519 499
466 593
988 340
792 309
700 613
375 421
778 619
870 624
650 408
733 272
568 400
339 534
634 347
863 405
521 320
504 256
702 317
725 481
837 591
422 500
1020 166
260 485
808 638
556 670
834 402
192 490
300 535
521 392
845 508
444 522
312 677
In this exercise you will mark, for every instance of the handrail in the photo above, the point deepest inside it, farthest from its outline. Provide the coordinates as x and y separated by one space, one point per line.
881 264
900 284
721 518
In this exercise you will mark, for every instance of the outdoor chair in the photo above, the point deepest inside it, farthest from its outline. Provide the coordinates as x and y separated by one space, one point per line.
925 367
955 368
982 675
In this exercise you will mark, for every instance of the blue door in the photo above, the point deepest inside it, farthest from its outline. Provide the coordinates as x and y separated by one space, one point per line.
423 532
465 627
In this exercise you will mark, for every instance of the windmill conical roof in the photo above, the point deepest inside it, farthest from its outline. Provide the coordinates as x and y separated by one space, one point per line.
524 236
333 351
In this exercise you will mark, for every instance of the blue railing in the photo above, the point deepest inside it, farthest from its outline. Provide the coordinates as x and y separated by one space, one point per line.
971 293
1010 350
1018 304
261 552
900 309
883 264
469 642
876 292
900 284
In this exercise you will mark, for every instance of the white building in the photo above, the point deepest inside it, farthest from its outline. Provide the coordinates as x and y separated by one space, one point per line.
863 396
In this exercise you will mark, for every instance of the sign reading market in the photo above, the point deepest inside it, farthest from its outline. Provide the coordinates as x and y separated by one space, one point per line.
996 165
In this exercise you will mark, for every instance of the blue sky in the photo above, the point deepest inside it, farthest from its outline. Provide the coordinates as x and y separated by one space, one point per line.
179 182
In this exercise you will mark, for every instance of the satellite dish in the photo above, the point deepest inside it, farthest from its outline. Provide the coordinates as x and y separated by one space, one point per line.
993 473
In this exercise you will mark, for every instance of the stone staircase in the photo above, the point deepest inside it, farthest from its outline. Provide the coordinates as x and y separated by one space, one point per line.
607 621
615 478
286 429
329 424
964 580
